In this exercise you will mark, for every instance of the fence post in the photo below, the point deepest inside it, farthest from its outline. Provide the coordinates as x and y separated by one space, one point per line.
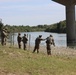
29 40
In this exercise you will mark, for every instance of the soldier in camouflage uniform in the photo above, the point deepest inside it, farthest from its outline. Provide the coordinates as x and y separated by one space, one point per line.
49 42
4 34
19 39
37 43
24 39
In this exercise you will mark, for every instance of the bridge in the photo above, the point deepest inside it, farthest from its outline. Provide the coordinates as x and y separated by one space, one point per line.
70 20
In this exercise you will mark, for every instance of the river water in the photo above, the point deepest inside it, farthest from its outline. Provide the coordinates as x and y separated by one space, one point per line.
60 39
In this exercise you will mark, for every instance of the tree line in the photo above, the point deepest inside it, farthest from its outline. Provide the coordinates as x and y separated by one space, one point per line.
59 27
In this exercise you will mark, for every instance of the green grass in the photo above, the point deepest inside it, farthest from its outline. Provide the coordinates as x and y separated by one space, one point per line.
19 62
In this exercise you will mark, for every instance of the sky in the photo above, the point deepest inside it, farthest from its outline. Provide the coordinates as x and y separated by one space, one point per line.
31 12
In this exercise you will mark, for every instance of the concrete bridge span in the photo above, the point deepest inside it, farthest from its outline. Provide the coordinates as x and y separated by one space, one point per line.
70 20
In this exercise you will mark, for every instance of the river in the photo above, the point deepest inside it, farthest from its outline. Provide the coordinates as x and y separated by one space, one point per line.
60 39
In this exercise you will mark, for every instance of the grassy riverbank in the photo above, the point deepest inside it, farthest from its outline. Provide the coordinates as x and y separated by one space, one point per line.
14 61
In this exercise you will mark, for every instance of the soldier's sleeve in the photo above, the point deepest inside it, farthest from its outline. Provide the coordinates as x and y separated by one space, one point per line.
27 39
43 39
40 39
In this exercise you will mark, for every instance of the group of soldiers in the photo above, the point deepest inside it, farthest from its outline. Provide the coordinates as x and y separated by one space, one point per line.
24 39
49 42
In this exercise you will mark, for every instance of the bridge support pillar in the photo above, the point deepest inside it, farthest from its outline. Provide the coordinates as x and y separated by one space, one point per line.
70 25
70 20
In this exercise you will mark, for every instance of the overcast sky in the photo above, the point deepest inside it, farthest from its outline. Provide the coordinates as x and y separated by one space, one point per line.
31 12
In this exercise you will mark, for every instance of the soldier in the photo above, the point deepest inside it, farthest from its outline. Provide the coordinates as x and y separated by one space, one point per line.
19 39
37 43
24 39
49 42
4 35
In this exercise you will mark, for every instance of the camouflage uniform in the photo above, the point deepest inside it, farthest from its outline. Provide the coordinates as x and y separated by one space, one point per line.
49 42
4 35
37 43
24 39
19 39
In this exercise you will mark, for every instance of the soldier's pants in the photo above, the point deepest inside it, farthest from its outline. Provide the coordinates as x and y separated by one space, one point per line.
3 40
35 50
49 52
24 46
48 49
19 45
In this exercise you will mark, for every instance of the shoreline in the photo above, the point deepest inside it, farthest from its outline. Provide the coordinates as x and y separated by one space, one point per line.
66 51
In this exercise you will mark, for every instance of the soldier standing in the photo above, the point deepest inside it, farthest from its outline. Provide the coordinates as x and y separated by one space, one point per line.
49 42
4 35
24 39
37 43
19 39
